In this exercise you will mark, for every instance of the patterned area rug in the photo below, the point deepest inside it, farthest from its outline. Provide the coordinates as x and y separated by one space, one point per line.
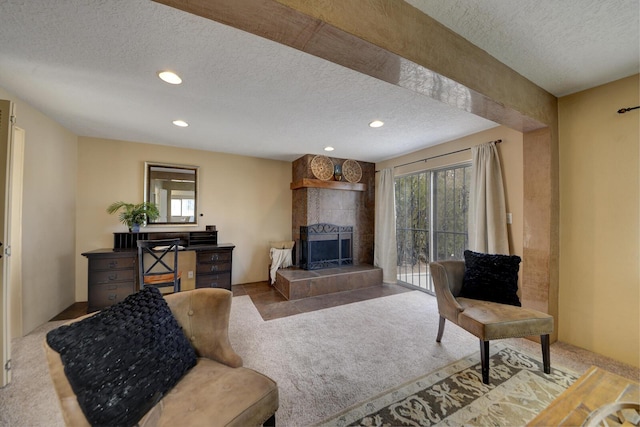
455 395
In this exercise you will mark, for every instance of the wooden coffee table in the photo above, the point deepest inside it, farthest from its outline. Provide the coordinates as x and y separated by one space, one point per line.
595 389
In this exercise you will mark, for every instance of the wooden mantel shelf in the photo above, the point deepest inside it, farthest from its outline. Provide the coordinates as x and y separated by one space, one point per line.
335 185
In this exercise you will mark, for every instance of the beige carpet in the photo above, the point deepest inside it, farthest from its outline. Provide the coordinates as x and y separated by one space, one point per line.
456 395
29 400
324 361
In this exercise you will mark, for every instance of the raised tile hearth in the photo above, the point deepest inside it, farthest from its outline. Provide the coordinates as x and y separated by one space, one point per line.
295 283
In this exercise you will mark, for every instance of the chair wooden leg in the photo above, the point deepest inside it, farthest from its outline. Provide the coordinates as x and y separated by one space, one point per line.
484 359
440 329
546 354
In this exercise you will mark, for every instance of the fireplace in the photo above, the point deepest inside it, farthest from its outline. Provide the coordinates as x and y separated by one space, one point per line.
325 246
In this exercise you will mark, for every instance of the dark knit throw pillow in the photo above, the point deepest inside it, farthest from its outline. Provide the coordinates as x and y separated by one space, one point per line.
491 277
121 361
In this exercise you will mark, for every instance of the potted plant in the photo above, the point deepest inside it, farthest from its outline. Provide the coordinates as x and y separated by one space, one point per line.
134 215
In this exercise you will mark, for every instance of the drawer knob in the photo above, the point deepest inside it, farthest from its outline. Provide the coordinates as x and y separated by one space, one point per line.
113 276
112 297
214 257
113 264
214 268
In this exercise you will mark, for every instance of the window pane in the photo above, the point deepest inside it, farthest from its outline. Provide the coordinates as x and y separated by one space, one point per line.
187 207
451 216
176 207
412 234
419 213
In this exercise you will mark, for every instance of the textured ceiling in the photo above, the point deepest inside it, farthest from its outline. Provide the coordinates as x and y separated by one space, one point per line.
91 65
563 46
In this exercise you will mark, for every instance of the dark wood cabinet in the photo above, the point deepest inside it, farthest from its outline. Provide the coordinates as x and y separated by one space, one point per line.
213 267
112 276
113 273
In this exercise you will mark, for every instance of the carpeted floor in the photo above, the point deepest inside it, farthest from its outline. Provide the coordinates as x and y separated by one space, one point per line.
324 361
30 400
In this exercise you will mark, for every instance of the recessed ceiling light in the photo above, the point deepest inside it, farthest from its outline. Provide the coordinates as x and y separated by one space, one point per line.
180 123
328 148
170 77
376 124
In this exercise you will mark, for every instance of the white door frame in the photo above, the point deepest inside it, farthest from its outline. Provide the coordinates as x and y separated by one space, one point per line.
7 116
14 235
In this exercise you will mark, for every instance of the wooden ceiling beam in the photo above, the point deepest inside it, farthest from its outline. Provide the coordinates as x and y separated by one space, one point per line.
392 41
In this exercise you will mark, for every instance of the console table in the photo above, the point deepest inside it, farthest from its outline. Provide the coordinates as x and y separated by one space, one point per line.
113 272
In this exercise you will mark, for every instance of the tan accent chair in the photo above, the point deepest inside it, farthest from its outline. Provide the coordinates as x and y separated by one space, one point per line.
218 391
484 319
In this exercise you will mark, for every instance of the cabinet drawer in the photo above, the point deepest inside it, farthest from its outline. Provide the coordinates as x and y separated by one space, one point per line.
102 296
114 276
112 263
212 268
209 257
222 280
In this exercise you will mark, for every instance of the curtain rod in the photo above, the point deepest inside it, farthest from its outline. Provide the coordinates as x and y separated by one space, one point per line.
498 141
624 110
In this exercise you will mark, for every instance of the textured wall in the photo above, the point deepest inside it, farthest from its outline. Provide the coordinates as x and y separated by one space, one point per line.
248 199
48 215
600 221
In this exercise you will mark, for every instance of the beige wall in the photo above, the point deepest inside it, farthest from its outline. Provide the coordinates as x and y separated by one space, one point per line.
510 151
247 198
599 221
49 215
250 202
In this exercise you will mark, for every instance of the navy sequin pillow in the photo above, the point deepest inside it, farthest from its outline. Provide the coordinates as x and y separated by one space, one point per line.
491 277
121 361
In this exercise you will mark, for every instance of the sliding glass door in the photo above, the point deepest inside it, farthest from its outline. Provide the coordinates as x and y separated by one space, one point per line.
431 221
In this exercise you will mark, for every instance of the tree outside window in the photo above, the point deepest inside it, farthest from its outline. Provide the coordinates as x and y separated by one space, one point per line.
431 220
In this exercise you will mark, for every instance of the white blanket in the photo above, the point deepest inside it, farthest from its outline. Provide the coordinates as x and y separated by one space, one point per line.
280 258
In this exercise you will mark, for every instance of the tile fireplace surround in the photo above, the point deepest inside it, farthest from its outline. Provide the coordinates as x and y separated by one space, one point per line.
340 206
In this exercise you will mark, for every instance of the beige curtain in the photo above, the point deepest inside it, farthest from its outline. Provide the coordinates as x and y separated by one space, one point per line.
487 208
385 252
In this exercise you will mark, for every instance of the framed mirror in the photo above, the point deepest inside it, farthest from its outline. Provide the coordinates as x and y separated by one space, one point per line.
174 190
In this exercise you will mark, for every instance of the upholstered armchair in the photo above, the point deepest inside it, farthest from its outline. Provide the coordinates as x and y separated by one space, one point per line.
215 391
486 320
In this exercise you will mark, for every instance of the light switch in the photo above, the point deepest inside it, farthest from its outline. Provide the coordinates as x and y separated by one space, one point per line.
509 218
190 274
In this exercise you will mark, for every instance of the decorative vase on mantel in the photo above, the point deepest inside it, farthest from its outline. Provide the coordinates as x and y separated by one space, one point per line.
337 172
135 228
